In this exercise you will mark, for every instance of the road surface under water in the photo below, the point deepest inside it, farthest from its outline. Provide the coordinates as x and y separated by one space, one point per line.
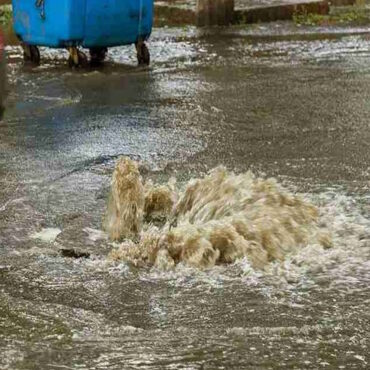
291 107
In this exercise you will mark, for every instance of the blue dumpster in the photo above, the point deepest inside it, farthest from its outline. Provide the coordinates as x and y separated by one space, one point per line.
92 24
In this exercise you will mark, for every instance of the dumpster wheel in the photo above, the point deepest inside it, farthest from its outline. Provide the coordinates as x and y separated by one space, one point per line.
97 55
143 55
31 53
77 58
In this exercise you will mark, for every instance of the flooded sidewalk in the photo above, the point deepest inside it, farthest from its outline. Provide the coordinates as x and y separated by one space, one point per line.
281 101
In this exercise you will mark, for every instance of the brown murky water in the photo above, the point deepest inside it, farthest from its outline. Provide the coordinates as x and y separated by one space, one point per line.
218 219
292 108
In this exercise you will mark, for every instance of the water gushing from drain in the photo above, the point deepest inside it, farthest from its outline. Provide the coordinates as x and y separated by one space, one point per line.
218 219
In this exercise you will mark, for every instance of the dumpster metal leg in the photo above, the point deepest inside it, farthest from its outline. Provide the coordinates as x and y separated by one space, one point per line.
31 53
76 58
143 55
97 55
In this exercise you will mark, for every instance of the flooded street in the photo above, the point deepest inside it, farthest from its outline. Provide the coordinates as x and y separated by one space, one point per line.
291 106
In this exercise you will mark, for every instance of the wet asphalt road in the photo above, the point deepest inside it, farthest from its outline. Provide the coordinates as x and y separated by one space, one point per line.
293 107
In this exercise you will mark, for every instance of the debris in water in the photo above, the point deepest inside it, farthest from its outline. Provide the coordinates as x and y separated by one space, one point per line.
219 219
73 253
47 235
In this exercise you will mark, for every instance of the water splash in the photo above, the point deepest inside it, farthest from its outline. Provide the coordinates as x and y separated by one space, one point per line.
159 200
126 202
218 219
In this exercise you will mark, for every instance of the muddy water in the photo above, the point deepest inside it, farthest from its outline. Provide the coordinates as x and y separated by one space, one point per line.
292 108
219 219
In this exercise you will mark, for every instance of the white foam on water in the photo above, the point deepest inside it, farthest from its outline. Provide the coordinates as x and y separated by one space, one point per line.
349 258
95 234
47 235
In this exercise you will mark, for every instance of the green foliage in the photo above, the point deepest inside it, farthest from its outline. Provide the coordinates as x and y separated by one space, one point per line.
5 15
339 16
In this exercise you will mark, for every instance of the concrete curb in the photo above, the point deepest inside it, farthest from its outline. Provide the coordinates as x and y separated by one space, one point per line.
342 2
280 12
168 13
